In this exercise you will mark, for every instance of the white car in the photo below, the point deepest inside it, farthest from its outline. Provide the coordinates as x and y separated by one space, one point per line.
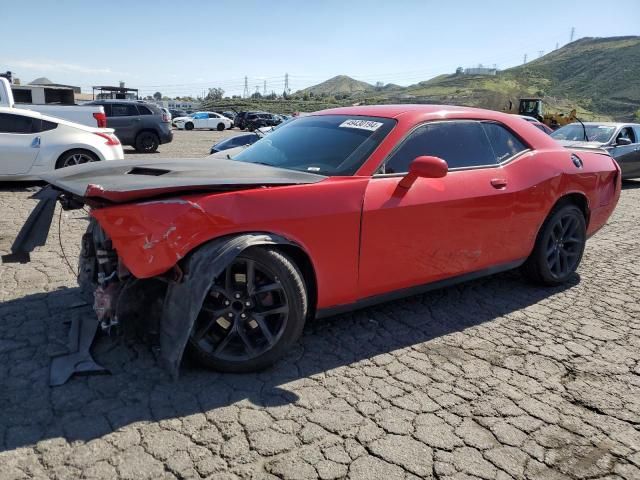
210 120
32 143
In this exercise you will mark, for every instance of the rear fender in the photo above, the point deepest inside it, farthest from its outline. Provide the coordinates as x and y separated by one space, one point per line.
184 299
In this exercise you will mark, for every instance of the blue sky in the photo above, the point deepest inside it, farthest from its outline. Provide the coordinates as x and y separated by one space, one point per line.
183 47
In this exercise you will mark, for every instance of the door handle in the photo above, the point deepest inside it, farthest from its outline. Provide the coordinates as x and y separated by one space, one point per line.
35 143
499 183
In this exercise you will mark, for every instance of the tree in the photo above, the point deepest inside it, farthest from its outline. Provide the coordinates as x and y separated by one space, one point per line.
215 94
638 115
256 95
157 96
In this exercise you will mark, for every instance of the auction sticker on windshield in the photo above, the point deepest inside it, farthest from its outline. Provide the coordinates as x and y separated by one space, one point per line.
361 124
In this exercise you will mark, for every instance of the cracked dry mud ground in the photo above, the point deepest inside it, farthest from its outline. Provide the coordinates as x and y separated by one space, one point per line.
489 379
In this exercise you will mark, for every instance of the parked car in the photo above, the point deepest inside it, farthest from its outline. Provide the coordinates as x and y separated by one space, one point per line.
241 140
178 113
229 114
258 120
208 120
89 115
331 212
620 140
240 119
32 144
167 113
144 126
538 124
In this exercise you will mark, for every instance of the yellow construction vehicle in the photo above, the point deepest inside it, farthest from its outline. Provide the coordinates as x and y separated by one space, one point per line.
532 107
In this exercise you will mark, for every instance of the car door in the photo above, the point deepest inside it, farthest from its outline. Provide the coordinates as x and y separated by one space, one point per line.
439 227
201 120
125 119
19 143
627 156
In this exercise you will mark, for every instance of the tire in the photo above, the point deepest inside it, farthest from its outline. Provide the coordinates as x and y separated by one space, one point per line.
221 127
220 336
559 247
76 157
147 142
188 126
241 127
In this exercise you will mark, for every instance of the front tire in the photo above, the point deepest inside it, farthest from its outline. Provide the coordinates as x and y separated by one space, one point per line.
253 313
221 127
76 157
188 126
559 247
147 142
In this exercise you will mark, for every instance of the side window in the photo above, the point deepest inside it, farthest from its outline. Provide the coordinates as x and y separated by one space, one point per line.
144 110
460 144
637 132
10 123
121 110
213 115
627 132
504 143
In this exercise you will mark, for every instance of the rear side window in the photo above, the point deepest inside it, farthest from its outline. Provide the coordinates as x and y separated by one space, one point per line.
460 144
144 110
505 144
123 110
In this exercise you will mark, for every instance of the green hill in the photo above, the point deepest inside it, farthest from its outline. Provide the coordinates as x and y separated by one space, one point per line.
339 85
597 76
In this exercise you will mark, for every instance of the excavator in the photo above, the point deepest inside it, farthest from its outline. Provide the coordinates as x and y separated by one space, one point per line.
532 107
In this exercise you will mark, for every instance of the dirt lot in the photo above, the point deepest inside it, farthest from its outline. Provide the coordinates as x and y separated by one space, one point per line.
493 379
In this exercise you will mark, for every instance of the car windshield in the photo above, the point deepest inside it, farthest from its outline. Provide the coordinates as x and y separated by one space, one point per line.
324 144
575 132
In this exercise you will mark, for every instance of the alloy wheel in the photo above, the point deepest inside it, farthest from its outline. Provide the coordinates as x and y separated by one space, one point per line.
244 313
564 245
77 159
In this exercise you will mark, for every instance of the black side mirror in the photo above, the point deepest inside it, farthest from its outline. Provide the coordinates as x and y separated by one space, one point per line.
623 141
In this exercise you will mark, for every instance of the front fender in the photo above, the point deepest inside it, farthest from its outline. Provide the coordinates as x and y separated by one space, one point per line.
184 299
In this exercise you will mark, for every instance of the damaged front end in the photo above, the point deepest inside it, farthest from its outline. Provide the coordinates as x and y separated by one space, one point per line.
148 258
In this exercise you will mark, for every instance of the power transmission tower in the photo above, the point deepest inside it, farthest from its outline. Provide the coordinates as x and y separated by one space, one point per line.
286 83
525 59
573 32
557 44
245 94
264 88
540 53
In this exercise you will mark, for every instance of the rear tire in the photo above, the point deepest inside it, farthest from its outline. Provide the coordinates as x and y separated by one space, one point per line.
559 247
147 142
76 157
234 332
221 127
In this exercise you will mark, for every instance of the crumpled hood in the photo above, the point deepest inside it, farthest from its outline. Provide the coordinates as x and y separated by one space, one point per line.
126 180
580 144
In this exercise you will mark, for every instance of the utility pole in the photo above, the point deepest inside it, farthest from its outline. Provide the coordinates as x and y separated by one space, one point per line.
573 32
245 94
264 88
525 59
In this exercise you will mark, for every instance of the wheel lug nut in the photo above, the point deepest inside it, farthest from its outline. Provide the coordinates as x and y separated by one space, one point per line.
247 304
237 295
230 315
227 303
243 315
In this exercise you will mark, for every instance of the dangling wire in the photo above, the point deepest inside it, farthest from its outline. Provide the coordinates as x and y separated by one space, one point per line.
62 248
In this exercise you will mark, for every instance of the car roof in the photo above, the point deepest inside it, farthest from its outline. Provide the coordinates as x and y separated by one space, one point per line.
607 124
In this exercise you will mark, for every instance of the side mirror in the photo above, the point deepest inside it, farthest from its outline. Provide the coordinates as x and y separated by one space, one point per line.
623 141
425 167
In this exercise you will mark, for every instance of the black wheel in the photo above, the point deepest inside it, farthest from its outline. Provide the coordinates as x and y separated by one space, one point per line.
252 314
241 127
221 127
559 247
76 157
147 142
188 126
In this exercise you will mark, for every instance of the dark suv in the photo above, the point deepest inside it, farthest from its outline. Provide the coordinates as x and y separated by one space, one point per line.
142 125
240 119
254 121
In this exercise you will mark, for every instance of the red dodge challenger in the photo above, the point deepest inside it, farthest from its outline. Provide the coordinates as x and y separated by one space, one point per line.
331 212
